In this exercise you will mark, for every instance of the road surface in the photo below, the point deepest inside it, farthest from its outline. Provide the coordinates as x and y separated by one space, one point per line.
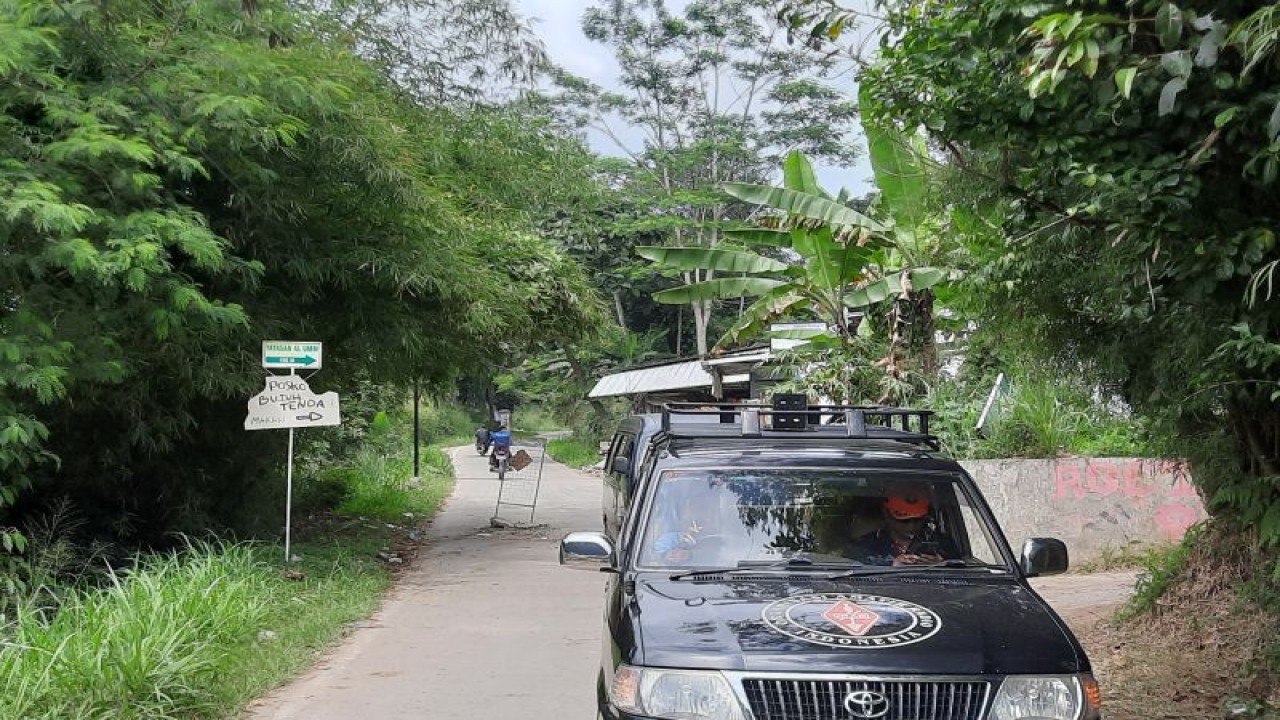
486 625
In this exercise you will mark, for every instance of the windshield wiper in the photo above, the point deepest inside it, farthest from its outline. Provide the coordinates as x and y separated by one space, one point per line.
954 564
793 563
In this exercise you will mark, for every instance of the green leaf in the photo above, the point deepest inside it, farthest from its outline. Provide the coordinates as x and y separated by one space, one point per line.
759 236
701 258
830 263
1225 116
718 288
1124 80
798 175
896 160
926 277
768 307
1169 95
1169 25
1273 124
1178 64
874 293
804 205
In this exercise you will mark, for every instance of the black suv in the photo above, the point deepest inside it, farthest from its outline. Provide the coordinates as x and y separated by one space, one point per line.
822 564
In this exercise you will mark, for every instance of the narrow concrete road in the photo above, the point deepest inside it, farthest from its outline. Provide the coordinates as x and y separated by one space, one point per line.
487 625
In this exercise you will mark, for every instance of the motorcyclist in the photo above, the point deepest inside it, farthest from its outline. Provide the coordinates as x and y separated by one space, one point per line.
483 438
501 439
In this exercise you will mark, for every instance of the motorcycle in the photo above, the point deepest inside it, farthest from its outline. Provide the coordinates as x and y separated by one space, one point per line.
482 446
501 462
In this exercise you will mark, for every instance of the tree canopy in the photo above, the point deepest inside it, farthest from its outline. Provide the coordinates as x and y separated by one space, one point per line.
1128 153
184 180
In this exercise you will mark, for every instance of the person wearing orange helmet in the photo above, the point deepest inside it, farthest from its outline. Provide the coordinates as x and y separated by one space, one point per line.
907 537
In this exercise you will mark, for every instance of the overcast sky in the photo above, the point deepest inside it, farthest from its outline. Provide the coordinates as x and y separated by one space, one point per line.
559 24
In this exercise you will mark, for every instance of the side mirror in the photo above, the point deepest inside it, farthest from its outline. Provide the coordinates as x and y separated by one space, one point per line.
621 464
1044 556
586 551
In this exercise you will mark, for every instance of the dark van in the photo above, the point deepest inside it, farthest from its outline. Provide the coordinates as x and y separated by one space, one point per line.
841 568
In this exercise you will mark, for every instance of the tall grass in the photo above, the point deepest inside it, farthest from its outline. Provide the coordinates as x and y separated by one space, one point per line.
148 645
1042 416
535 418
1037 422
576 452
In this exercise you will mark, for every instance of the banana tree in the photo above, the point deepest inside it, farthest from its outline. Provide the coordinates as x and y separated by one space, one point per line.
900 162
832 251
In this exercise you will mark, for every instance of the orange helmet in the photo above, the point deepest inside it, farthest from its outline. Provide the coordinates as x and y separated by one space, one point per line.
906 504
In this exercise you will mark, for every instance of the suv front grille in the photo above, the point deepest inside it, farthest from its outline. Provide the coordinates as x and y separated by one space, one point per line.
787 699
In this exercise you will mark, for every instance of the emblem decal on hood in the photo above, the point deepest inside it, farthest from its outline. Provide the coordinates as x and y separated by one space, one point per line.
842 620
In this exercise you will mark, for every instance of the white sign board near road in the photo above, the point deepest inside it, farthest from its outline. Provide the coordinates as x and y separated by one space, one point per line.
285 354
287 402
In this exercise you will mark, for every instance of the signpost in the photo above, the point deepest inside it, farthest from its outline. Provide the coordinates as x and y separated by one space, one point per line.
283 354
287 402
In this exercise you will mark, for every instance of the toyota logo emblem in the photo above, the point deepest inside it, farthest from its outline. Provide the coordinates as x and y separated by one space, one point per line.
867 704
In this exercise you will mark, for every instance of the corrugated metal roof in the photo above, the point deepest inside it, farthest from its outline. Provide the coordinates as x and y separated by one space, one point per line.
674 376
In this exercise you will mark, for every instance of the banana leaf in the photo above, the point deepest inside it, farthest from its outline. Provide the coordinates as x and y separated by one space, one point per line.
798 175
759 236
703 258
814 207
718 288
884 288
764 310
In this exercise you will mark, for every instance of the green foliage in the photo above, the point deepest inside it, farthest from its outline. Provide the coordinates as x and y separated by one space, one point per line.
576 452
181 181
148 645
1128 160
677 66
375 477
832 241
1160 569
1036 422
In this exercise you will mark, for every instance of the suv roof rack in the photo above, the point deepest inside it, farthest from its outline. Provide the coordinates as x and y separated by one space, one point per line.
790 418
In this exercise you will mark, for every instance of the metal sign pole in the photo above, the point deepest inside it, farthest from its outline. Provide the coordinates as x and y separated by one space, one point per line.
288 499
288 495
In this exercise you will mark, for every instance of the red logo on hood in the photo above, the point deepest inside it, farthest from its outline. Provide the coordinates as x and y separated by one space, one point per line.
853 619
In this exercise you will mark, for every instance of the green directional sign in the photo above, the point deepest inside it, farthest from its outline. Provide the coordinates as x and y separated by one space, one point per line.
287 354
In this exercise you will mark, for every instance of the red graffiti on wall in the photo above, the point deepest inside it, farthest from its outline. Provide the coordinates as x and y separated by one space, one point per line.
1125 477
1172 520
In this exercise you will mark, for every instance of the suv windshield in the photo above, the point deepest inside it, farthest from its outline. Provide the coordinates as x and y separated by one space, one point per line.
731 518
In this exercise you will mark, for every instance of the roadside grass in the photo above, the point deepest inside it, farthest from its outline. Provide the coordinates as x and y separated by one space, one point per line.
1133 556
1201 638
201 633
576 452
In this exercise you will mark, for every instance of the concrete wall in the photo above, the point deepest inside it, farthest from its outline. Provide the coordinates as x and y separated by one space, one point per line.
1092 504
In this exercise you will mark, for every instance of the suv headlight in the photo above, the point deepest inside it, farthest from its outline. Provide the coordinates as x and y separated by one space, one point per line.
1046 697
674 694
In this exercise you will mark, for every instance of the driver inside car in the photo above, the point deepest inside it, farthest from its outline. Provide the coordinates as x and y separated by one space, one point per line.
909 536
686 512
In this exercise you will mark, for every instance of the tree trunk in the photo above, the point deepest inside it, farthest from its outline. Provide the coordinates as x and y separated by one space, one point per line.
679 330
701 319
617 306
928 333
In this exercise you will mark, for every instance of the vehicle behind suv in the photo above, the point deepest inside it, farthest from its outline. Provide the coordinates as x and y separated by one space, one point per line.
822 564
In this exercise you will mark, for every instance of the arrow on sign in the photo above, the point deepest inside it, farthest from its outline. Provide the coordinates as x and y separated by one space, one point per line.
285 360
311 417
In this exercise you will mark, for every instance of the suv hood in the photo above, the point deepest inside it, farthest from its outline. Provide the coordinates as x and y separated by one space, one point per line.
909 625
